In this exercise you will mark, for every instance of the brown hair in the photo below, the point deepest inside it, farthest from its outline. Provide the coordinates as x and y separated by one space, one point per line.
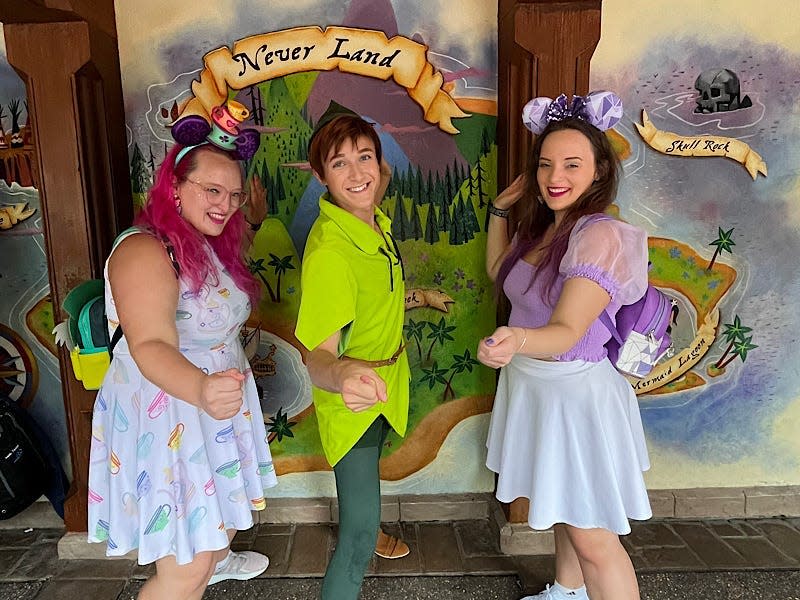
333 135
534 217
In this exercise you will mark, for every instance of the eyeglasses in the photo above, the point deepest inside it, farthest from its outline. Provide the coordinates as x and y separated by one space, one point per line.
216 193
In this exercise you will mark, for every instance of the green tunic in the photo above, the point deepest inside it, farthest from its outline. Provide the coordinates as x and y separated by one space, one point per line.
352 281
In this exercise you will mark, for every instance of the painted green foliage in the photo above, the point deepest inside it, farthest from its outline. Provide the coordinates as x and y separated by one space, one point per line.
438 222
736 335
724 243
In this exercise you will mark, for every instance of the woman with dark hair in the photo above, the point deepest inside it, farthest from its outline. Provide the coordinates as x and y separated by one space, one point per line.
565 429
351 322
179 458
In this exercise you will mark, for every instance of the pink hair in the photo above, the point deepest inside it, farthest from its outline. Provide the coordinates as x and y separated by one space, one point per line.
160 216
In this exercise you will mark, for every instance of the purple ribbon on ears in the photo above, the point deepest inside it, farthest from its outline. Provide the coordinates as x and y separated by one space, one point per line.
602 109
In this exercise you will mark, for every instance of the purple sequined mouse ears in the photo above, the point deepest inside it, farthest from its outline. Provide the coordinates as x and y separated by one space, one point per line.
223 131
601 109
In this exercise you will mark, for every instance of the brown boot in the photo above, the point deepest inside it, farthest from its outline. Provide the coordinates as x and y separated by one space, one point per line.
390 547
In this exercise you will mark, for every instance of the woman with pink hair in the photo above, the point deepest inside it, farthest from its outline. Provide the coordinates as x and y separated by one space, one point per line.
179 457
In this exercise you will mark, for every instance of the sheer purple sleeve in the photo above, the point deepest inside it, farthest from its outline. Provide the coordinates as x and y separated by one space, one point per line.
611 253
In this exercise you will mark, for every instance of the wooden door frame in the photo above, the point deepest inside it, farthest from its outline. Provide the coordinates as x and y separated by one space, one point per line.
77 116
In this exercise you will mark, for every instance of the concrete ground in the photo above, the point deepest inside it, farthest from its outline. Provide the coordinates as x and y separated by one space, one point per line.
675 560
723 585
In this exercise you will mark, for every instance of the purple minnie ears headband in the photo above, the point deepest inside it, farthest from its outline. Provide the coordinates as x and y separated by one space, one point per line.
601 109
223 132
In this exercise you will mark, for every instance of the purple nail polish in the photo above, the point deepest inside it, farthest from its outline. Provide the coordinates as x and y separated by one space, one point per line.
490 342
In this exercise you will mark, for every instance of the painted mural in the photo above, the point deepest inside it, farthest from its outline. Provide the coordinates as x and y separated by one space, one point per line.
29 371
708 144
712 174
432 96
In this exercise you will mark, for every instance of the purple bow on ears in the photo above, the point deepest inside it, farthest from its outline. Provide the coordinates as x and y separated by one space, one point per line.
601 109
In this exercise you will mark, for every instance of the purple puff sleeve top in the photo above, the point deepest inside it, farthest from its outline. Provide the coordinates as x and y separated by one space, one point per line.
611 253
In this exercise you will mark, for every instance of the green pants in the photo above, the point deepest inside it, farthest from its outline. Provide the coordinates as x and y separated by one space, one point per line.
358 488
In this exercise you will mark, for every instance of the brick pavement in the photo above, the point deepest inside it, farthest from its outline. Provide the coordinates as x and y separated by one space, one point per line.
29 558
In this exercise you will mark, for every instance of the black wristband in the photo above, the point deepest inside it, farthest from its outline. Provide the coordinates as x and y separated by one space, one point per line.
498 212
253 226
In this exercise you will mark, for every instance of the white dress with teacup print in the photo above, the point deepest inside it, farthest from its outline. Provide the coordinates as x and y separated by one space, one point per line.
165 477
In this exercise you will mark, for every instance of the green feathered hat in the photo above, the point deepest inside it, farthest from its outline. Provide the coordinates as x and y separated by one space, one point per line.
333 111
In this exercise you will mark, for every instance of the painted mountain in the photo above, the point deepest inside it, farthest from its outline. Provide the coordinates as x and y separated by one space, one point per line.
385 101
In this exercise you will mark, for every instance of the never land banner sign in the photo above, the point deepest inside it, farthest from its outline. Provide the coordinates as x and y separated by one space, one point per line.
360 51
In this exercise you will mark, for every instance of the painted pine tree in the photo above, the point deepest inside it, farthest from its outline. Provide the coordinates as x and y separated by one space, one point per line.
140 176
431 226
3 142
420 187
414 225
470 218
429 190
399 219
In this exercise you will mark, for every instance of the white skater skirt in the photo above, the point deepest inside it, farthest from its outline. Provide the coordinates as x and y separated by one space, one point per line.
568 436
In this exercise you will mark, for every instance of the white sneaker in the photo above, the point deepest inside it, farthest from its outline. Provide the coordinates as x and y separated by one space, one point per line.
239 565
558 593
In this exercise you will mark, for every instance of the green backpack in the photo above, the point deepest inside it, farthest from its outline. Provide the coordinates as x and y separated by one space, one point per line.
91 349
88 327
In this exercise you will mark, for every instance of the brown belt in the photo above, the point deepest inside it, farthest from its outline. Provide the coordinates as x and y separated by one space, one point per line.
380 363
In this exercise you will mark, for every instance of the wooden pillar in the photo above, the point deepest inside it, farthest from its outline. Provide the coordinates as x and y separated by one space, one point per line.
75 109
544 49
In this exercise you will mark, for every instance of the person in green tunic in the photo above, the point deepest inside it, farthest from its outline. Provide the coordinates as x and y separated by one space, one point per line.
351 321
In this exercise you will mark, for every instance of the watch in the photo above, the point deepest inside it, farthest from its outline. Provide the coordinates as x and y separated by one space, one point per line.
498 212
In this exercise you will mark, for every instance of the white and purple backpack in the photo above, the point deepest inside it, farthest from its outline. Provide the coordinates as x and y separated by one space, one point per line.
641 336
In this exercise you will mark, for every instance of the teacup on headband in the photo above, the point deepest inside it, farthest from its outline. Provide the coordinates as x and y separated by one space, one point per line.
223 132
601 109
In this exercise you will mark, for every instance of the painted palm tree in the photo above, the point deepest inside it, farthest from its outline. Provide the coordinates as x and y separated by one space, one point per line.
460 364
724 243
281 265
280 426
435 375
414 331
439 333
740 349
258 269
733 331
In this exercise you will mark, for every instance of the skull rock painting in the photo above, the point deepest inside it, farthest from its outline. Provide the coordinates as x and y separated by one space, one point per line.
719 91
